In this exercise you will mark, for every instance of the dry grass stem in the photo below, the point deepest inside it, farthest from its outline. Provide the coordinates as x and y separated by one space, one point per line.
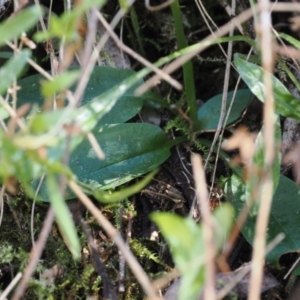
243 17
90 37
258 257
2 191
207 223
35 255
236 279
87 71
33 208
10 286
222 117
12 113
233 282
177 63
136 56
95 145
164 281
135 267
158 7
31 62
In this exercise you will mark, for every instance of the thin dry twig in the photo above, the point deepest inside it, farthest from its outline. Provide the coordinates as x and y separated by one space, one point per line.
90 37
222 118
158 7
127 241
207 223
2 191
95 145
231 12
35 255
225 93
135 55
31 62
236 279
87 71
269 130
13 114
10 286
164 281
136 268
206 17
205 43
33 208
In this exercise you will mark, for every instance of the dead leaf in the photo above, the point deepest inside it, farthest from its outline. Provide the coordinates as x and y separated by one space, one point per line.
50 275
243 140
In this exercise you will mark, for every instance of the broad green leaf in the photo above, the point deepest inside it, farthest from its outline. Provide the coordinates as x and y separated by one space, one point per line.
59 83
19 23
131 150
186 242
284 217
286 104
209 112
63 216
105 87
10 71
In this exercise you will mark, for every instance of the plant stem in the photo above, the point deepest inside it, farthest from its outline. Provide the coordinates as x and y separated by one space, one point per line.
188 72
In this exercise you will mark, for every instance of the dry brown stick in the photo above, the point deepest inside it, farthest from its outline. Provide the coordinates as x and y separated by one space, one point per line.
164 281
10 286
90 37
136 268
233 282
158 7
2 191
258 258
108 287
207 223
135 55
87 71
31 62
222 118
35 255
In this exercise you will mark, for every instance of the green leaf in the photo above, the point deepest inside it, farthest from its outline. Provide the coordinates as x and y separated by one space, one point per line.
6 54
286 104
21 22
10 71
290 39
59 83
15 161
68 21
186 241
101 94
131 150
284 217
63 216
106 197
209 112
